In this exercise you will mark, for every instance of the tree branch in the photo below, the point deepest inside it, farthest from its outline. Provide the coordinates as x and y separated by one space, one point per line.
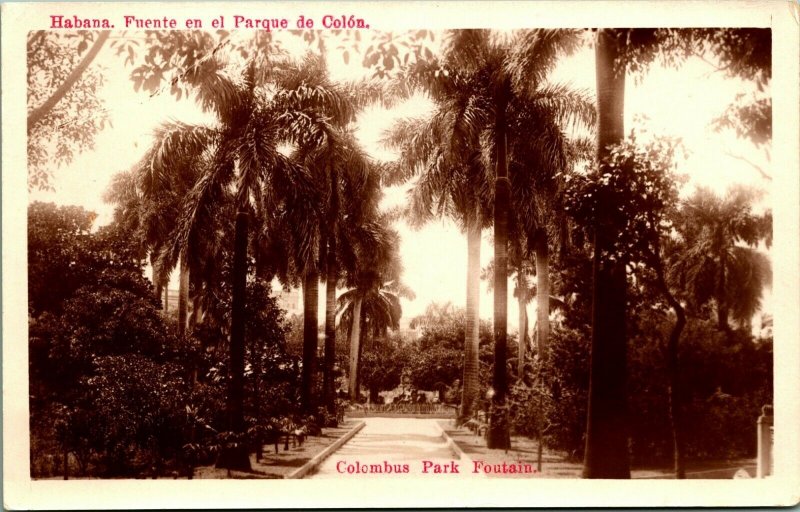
40 112
753 165
716 67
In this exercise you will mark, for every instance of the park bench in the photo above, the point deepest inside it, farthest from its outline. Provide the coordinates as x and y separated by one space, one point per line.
296 436
478 424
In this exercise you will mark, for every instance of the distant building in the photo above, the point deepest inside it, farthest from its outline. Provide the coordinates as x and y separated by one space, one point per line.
291 300
407 332
170 300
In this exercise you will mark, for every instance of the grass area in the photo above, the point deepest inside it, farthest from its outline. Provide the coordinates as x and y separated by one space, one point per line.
279 465
523 450
556 465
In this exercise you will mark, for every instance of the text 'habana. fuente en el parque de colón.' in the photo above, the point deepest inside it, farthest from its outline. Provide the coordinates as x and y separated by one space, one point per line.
237 21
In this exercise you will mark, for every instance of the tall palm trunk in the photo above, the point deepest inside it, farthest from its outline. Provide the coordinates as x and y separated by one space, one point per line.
363 338
183 295
542 295
472 387
195 319
542 326
330 330
235 456
355 338
498 435
328 387
522 304
310 336
157 287
606 454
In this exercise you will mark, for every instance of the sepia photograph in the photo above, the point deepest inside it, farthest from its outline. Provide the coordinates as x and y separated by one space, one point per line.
263 242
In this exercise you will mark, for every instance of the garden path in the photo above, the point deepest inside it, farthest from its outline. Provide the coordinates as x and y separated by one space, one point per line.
398 443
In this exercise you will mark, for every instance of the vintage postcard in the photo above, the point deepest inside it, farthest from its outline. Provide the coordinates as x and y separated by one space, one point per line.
400 254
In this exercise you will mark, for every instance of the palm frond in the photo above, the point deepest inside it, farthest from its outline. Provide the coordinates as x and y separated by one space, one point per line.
177 146
468 49
534 54
749 272
199 207
565 105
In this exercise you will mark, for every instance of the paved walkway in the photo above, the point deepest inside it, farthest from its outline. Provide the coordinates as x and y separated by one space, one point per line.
393 447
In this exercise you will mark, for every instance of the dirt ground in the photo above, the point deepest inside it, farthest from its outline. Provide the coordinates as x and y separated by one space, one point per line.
278 465
555 465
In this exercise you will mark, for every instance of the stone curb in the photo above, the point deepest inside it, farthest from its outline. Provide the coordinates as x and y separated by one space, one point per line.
315 461
457 449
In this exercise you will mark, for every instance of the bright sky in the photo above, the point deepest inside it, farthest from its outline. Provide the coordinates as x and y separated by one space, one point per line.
679 103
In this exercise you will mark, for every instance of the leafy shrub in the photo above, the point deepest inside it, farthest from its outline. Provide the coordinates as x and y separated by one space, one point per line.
135 403
382 366
554 391
435 365
112 386
724 385
435 361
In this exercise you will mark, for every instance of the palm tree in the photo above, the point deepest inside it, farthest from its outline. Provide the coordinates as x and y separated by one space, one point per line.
444 151
341 171
131 211
164 180
142 214
370 310
538 168
255 113
606 454
521 268
148 210
746 53
721 262
123 193
350 190
372 304
501 71
514 70
353 194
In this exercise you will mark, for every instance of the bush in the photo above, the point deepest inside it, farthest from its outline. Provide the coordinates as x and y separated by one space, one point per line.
436 359
137 413
561 403
724 385
382 366
429 368
112 386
